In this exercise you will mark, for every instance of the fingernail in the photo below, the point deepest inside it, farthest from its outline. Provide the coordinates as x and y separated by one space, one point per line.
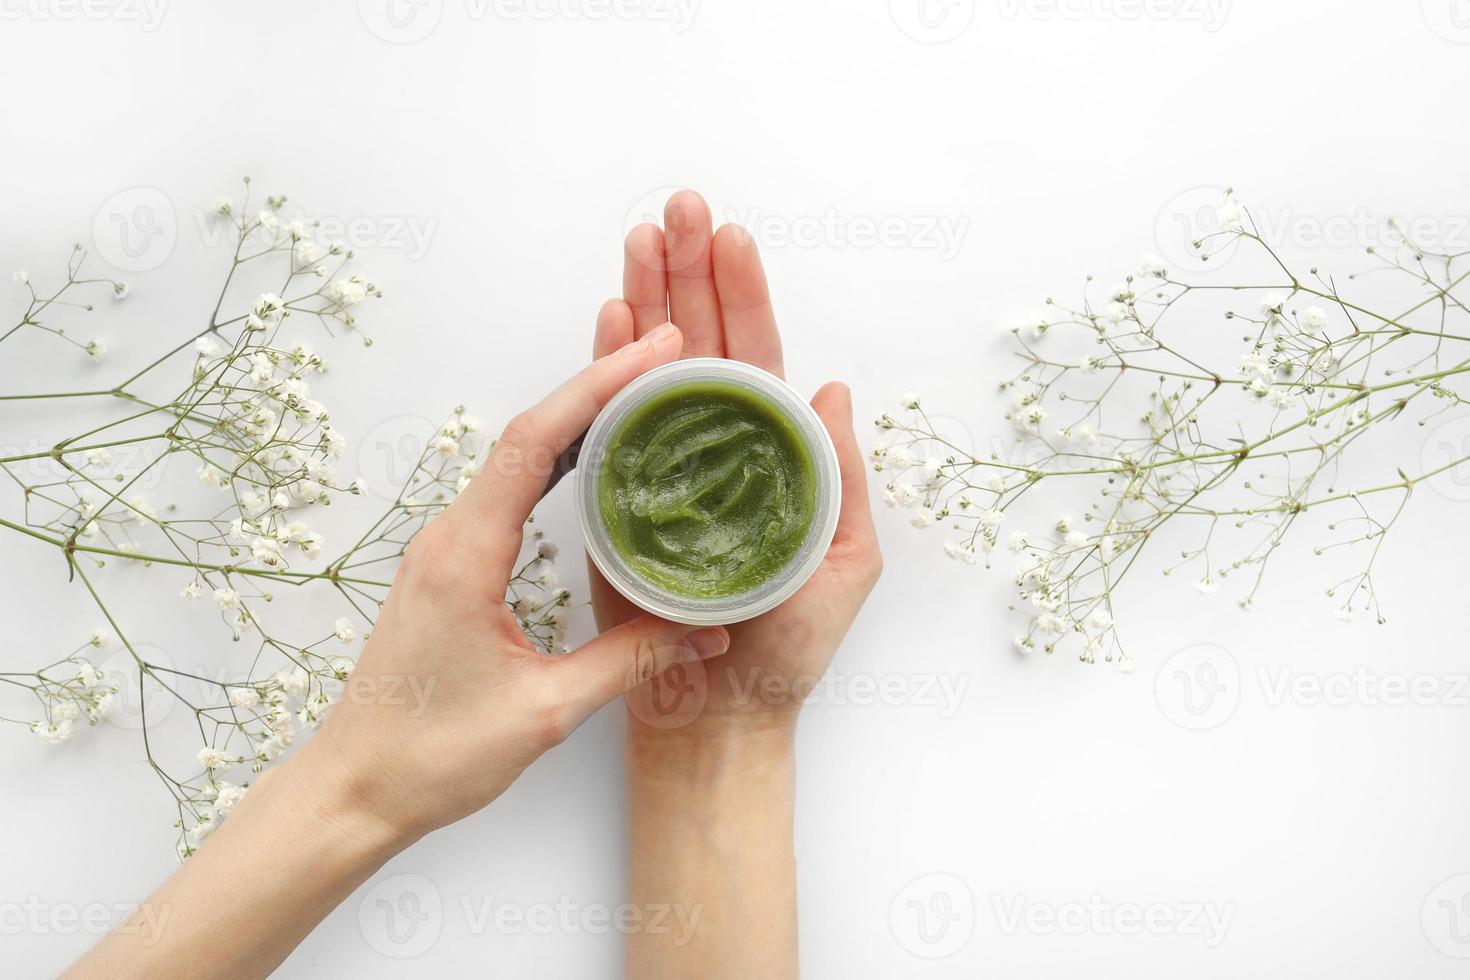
659 336
708 643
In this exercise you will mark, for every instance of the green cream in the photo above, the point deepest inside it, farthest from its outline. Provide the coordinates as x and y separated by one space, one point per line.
709 489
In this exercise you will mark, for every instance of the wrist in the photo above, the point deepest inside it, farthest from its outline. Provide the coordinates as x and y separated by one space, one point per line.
711 750
348 799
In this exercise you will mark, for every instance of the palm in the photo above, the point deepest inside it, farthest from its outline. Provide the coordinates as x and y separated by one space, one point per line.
712 286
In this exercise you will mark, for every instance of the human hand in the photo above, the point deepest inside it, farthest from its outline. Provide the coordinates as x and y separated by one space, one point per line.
492 702
713 285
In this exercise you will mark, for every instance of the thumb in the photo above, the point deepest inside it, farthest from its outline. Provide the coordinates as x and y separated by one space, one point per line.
624 657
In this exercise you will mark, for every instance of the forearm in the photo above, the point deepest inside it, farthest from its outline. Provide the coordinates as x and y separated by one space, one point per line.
711 824
299 843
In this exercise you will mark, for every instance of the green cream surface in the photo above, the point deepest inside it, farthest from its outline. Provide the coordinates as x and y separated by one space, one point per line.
709 489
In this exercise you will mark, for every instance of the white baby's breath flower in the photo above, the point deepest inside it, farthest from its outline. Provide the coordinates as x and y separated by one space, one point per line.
344 630
1230 214
909 399
227 795
349 291
212 758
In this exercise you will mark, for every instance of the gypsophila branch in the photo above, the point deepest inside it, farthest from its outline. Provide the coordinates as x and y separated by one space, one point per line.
1116 411
236 456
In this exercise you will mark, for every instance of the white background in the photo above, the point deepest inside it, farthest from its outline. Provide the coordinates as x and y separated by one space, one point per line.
496 161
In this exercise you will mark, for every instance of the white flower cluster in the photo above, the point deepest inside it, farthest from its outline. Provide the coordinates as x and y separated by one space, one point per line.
68 691
252 432
1134 419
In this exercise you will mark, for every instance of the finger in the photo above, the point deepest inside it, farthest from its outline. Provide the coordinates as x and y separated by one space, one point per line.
620 659
645 286
693 303
614 328
745 300
498 500
833 403
610 607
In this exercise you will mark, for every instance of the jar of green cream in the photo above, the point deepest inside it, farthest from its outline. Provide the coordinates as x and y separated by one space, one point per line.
708 491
